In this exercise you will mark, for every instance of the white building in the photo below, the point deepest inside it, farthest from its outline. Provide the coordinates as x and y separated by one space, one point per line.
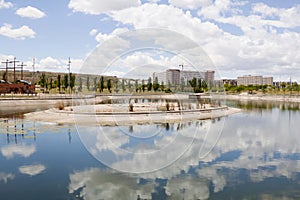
254 80
174 76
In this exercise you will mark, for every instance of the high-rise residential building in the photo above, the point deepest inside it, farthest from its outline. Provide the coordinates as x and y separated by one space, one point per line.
254 80
267 80
174 76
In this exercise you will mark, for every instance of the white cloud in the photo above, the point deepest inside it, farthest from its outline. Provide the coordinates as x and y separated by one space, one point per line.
220 8
50 64
5 177
19 33
30 12
56 64
256 48
96 184
93 32
190 4
97 7
100 37
194 188
4 4
11 151
32 170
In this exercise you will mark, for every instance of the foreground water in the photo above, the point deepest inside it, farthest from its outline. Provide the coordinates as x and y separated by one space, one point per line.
254 154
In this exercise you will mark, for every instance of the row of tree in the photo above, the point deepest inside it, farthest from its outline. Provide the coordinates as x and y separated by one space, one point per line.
67 81
60 83
282 87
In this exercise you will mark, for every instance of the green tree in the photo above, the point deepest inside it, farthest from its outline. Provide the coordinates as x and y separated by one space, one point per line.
101 86
123 85
149 84
95 84
42 81
143 85
109 85
88 83
51 84
162 86
80 85
72 81
182 84
155 84
129 86
59 82
193 84
136 85
66 81
204 86
4 76
169 84
116 86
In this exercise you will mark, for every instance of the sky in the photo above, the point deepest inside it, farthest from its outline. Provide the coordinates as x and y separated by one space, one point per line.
239 37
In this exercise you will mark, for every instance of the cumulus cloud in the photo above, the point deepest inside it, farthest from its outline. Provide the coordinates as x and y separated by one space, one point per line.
6 177
93 32
98 7
190 4
30 12
18 33
4 4
97 184
57 64
23 150
32 170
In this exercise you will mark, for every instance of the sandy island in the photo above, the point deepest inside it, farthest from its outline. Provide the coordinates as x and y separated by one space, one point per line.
118 114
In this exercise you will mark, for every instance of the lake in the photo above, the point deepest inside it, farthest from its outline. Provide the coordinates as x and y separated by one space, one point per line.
254 154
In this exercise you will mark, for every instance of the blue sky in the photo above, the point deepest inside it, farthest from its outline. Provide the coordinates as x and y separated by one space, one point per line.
240 37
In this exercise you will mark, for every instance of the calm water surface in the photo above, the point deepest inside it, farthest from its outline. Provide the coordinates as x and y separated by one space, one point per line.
254 154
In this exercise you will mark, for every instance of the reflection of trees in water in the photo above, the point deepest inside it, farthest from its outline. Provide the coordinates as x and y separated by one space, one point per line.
17 129
264 105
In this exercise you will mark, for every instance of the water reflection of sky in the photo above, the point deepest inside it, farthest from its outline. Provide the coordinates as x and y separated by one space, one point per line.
256 156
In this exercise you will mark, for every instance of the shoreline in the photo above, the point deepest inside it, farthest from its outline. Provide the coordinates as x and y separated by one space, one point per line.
246 97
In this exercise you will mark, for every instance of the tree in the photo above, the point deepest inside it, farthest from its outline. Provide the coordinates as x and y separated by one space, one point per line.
182 84
51 84
116 86
143 85
204 86
4 76
72 81
66 82
156 84
129 86
101 85
80 85
193 84
59 82
149 84
169 84
88 83
95 84
109 85
136 86
42 81
162 86
123 85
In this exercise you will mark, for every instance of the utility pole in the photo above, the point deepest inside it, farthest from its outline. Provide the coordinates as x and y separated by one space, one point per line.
15 61
22 65
69 68
33 70
6 69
